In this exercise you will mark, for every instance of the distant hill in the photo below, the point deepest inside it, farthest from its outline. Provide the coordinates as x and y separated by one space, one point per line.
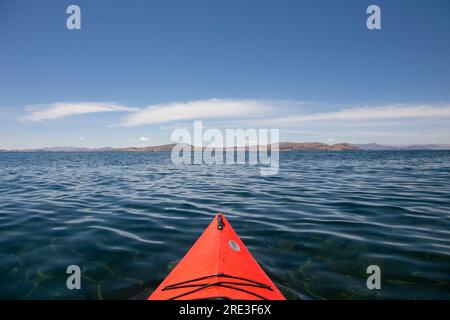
283 146
65 149
426 147
161 148
376 146
295 146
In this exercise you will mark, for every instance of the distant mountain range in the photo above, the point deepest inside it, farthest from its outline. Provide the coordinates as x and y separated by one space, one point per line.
376 146
283 146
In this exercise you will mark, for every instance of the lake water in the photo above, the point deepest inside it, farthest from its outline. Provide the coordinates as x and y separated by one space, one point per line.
126 218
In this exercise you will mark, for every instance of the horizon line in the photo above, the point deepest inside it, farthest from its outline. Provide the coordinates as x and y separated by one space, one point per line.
375 144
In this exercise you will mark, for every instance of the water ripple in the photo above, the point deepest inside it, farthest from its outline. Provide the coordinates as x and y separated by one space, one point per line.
126 218
127 234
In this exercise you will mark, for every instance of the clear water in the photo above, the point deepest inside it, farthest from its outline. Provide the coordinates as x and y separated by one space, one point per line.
126 218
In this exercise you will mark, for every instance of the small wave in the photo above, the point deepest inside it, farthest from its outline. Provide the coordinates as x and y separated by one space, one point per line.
86 219
127 234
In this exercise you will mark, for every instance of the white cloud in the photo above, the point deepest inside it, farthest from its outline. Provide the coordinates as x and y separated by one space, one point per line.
59 110
297 119
202 109
242 110
371 113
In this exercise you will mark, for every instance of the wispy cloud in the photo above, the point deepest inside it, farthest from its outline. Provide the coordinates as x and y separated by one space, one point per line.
59 110
244 111
370 113
202 109
307 121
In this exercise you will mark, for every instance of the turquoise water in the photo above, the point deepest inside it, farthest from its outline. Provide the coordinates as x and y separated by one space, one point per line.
126 218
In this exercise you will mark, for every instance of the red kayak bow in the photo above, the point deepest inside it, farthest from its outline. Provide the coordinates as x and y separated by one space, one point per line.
218 266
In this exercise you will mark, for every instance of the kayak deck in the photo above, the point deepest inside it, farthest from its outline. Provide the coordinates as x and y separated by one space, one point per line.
218 266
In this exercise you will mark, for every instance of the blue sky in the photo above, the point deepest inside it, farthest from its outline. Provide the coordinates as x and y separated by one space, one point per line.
139 69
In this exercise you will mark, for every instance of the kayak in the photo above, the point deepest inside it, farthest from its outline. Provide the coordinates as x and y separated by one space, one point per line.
218 266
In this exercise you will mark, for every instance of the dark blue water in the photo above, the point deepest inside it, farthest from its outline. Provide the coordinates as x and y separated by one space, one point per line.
126 218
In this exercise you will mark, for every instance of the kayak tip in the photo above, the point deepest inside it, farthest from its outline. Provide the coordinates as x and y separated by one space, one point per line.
220 223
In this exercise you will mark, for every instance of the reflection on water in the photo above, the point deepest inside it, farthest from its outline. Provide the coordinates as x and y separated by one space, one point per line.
126 219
